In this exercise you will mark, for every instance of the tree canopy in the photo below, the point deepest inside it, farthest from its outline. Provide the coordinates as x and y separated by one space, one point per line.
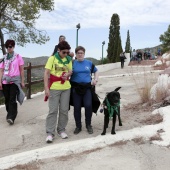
18 18
127 46
114 45
165 39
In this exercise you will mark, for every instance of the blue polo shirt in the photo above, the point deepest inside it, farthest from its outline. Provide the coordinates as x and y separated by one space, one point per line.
82 71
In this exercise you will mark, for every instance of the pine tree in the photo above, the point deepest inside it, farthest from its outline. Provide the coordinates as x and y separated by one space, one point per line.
165 39
114 45
127 47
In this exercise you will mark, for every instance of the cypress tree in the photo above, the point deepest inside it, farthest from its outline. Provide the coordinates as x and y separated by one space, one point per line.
127 47
114 45
120 50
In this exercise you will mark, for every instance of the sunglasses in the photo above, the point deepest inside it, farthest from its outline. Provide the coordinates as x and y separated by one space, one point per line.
64 52
9 46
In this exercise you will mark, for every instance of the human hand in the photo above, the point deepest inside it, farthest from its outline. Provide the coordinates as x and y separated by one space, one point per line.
94 82
70 72
64 76
22 84
47 92
71 54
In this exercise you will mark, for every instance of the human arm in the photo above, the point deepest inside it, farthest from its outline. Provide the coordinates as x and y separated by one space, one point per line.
96 77
1 74
22 76
46 88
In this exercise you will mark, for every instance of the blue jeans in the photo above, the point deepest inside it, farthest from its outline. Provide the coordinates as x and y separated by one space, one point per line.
86 100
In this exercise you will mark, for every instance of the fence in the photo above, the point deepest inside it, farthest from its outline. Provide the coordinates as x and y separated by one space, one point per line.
28 68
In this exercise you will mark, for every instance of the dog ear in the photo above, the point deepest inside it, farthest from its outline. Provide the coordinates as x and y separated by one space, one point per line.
117 89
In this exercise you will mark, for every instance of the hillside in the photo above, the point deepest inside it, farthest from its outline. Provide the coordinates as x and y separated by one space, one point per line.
36 61
95 61
153 50
39 72
42 60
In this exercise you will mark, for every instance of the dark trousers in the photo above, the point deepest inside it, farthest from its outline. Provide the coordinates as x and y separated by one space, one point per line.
122 63
10 93
86 100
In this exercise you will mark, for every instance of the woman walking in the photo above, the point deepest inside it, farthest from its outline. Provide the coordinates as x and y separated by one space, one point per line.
81 89
57 89
12 80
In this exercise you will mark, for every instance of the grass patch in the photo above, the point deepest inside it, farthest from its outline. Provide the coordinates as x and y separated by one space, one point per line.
138 140
155 137
143 84
153 119
39 87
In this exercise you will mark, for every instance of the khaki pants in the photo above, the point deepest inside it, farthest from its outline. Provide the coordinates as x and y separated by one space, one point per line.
58 101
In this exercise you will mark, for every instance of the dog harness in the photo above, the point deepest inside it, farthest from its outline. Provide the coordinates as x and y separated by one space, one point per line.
111 108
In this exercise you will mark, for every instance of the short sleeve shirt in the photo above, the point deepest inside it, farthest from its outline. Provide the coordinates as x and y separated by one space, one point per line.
14 68
56 68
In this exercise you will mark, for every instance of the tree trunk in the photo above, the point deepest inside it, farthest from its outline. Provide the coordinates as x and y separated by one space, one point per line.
2 42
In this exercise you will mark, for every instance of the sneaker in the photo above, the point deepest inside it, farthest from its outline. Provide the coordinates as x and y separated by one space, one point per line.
63 135
89 129
49 139
77 130
10 121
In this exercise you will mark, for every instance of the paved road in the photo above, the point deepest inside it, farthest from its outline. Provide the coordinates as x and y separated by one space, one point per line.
28 132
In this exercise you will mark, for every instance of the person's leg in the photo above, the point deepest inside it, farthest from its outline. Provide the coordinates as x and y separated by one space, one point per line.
63 111
121 63
51 119
6 93
12 109
77 101
87 101
10 92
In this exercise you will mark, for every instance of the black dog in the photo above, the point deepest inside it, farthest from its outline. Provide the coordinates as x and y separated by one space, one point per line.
111 105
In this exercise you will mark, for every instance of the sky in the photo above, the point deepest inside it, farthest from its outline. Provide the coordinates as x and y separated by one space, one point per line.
145 20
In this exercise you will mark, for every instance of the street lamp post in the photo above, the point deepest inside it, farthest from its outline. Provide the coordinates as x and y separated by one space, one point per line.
130 52
78 27
103 43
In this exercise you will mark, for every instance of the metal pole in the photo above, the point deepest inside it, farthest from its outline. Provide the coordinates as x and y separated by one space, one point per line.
77 38
78 27
102 54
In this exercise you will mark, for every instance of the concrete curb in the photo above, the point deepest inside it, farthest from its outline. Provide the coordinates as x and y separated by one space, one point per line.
74 147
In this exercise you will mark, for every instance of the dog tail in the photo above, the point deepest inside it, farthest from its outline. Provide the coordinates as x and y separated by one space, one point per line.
117 89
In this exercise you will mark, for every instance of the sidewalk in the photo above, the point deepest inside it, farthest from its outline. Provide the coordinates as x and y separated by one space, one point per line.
28 132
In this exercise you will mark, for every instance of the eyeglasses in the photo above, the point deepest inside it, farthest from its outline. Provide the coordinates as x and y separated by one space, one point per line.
65 52
80 53
9 46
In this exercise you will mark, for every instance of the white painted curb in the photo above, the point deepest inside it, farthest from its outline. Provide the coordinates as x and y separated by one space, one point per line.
73 147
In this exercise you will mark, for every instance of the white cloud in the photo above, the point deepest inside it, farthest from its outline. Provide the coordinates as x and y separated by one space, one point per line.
97 13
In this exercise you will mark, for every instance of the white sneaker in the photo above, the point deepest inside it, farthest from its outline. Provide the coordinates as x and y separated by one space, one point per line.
63 135
49 139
